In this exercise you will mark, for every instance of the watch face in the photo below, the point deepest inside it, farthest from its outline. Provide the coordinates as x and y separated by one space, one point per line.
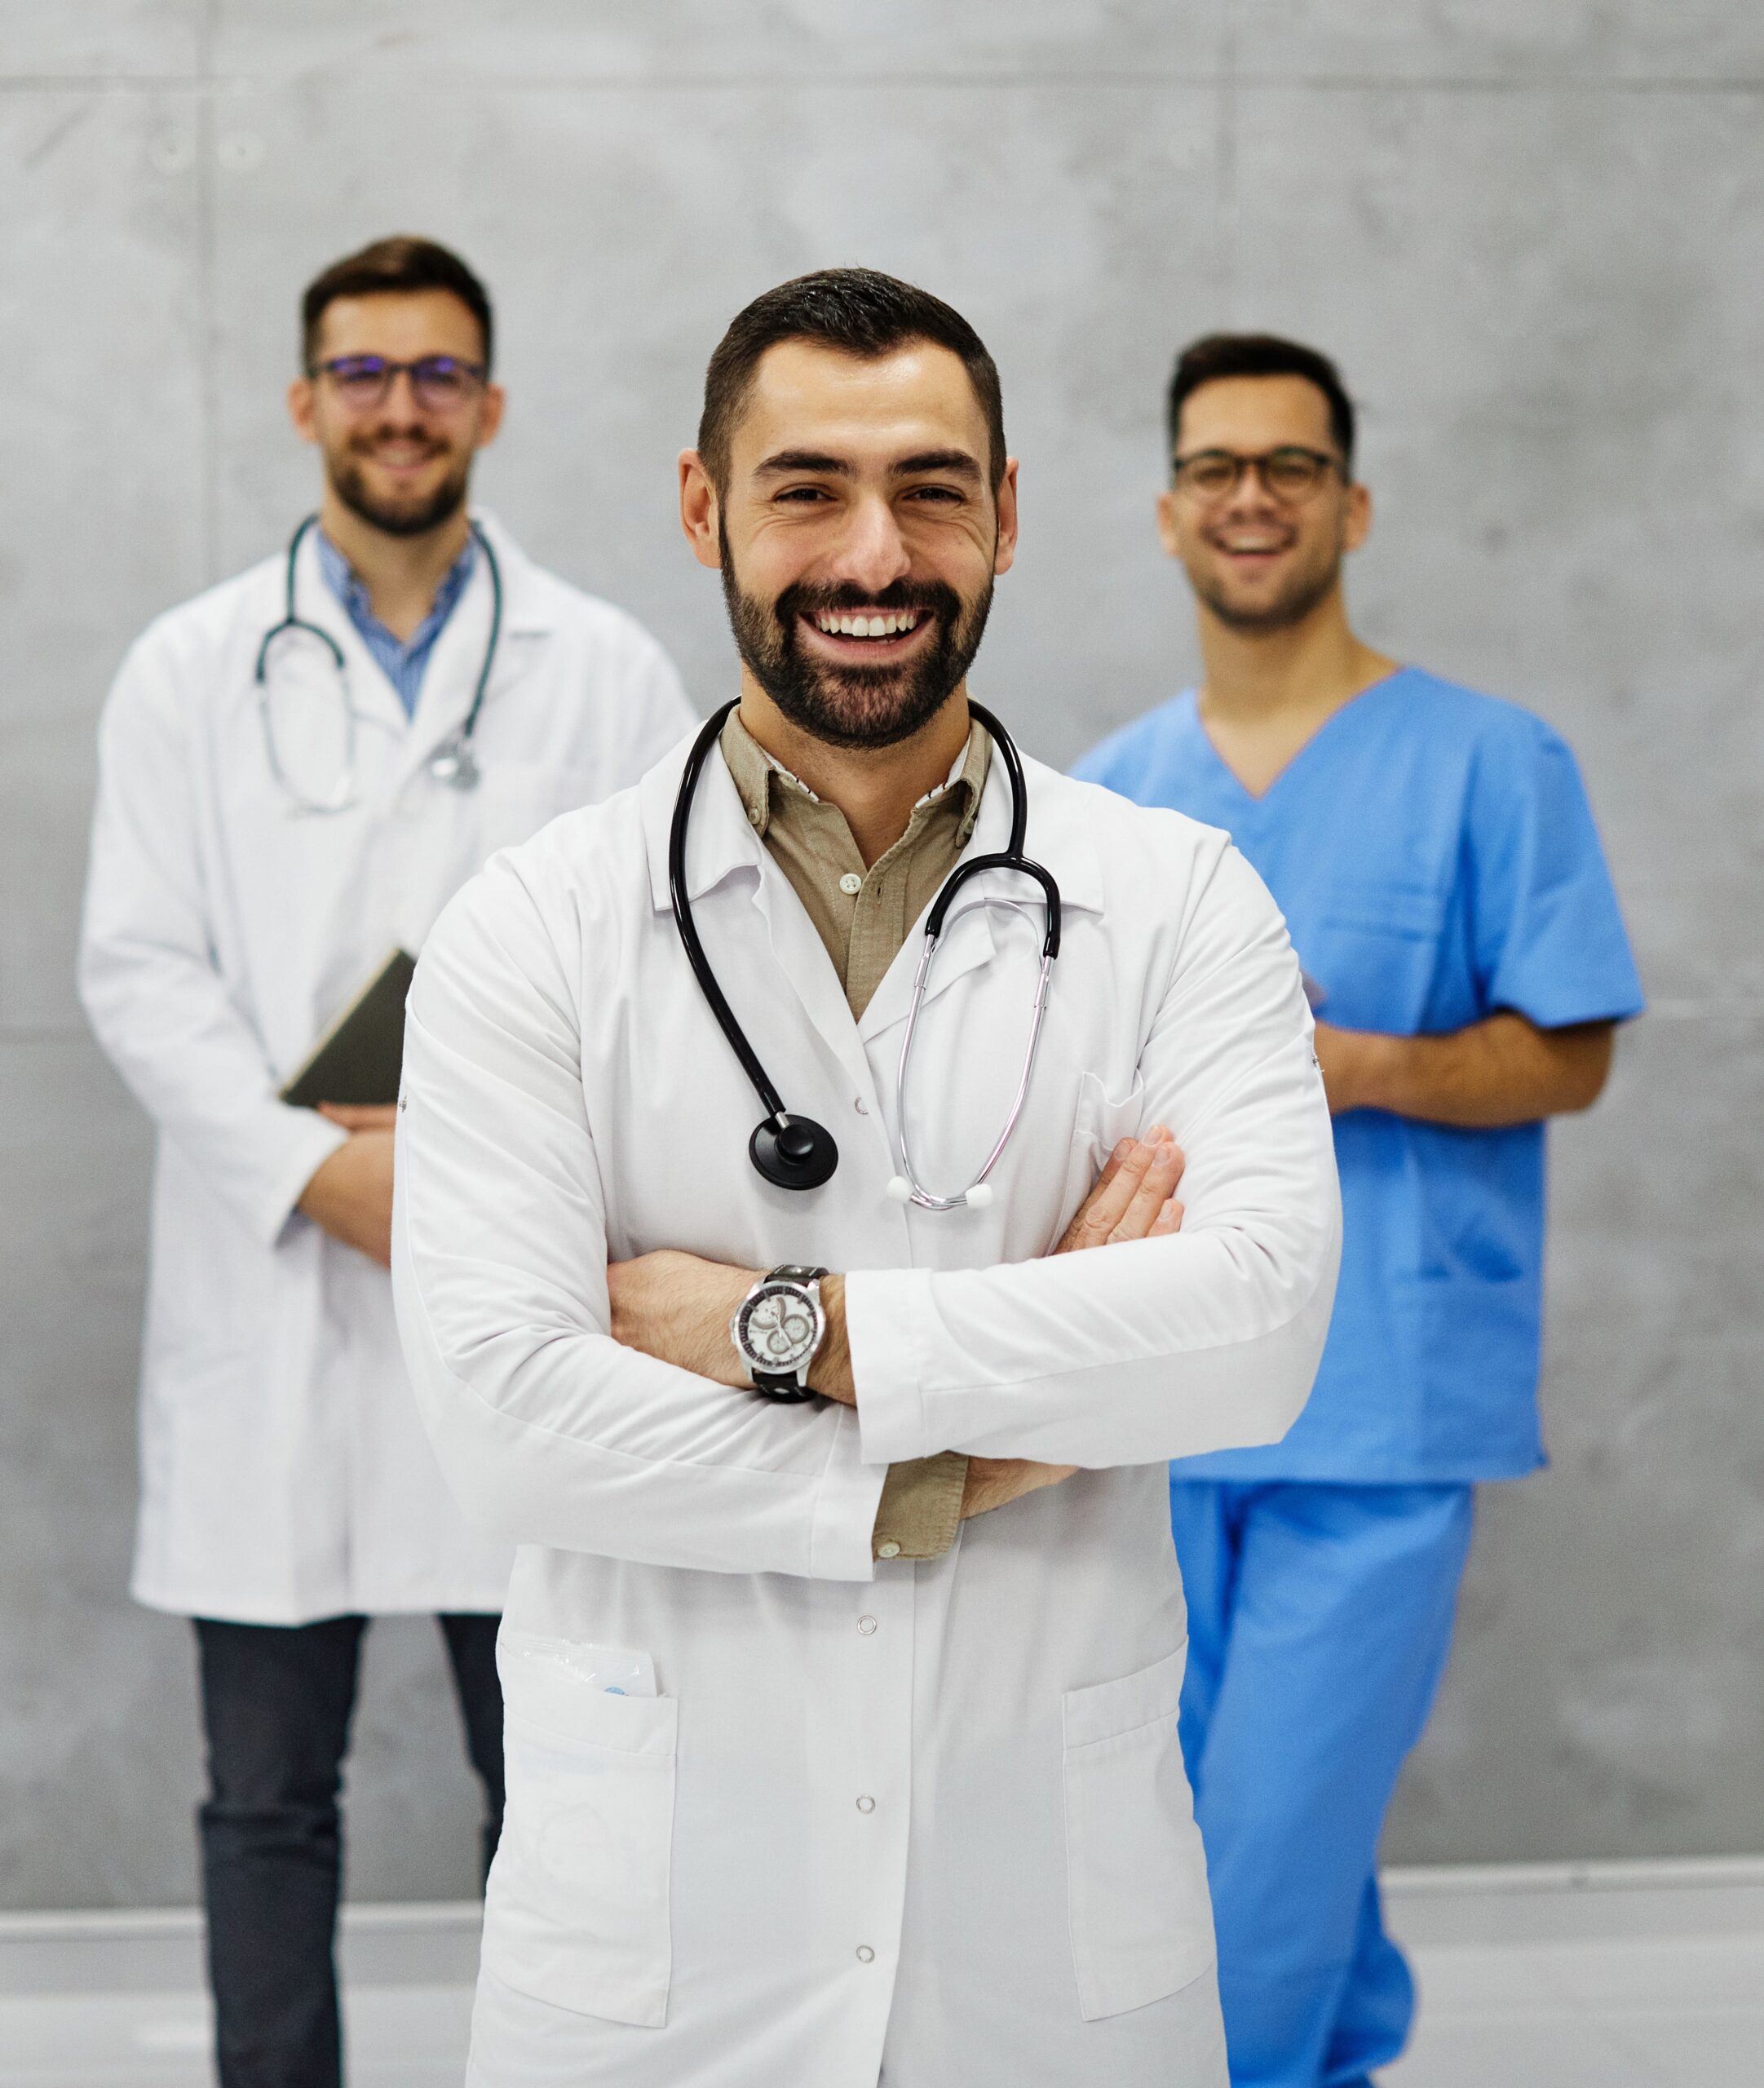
778 1327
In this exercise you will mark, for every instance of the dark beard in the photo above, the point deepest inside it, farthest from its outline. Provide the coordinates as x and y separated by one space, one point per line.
441 507
855 707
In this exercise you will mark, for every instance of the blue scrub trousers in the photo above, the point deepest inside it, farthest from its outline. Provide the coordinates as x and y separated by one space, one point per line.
1319 1617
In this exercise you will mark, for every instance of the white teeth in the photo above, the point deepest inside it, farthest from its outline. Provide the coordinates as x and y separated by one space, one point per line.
888 626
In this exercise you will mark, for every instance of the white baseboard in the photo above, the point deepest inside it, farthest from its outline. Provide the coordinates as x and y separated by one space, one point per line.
159 1949
1434 1904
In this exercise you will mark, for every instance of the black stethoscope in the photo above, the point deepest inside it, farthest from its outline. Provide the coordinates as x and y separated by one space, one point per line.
453 762
795 1153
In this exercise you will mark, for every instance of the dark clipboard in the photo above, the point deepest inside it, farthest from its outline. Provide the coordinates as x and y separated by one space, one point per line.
359 1058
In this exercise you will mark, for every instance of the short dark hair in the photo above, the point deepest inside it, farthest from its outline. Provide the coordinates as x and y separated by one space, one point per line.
861 313
1260 355
396 267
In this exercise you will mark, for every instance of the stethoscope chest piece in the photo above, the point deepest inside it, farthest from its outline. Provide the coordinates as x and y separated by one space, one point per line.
793 1152
457 766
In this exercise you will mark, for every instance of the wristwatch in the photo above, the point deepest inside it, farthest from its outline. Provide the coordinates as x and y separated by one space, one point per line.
777 1330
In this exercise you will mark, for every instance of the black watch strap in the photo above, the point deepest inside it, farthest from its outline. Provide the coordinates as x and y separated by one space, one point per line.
782 1385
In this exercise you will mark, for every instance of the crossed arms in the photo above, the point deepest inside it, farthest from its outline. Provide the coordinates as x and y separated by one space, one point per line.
554 1431
677 1306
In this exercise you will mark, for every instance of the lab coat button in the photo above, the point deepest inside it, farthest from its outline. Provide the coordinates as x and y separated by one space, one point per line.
863 1107
866 1625
865 1955
890 1550
866 1805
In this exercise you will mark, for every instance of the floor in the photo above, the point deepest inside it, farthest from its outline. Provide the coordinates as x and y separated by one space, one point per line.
1661 2012
1540 1983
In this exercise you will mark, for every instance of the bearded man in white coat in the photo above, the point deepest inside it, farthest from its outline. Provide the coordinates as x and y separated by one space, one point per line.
296 769
843 1647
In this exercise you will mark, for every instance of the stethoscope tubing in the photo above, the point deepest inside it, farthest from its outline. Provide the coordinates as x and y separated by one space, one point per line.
917 1194
456 750
810 1174
681 901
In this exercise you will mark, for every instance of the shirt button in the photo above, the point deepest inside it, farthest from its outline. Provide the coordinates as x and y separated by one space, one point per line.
890 1550
866 1805
865 1955
866 1625
852 884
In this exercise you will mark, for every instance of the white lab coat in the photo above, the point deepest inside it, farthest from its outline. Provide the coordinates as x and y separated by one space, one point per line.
285 1474
928 1820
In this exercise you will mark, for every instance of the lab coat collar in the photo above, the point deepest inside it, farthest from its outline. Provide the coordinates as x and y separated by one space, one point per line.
722 840
721 844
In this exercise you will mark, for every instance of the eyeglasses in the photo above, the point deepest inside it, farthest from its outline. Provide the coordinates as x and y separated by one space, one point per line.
439 384
1290 473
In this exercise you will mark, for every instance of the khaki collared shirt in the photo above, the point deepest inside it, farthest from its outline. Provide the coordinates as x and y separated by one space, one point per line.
863 917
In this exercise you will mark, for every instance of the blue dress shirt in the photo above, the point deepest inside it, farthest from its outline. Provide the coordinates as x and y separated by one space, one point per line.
404 661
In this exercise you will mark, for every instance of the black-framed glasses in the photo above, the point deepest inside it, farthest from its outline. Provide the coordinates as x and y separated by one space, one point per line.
1290 472
440 384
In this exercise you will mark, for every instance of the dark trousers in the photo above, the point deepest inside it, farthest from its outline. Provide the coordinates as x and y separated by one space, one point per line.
276 1703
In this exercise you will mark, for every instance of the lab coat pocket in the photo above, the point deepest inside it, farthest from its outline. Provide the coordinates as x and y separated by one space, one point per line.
1136 1879
577 1911
1098 1123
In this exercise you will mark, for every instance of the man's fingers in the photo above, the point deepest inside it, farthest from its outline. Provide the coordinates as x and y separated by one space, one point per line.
1117 1186
361 1116
1154 1188
1168 1220
1137 1180
995 1482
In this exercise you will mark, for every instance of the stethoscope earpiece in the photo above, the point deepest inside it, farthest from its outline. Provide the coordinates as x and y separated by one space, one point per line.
793 1152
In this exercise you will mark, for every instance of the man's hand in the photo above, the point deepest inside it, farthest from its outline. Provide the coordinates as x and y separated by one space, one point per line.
350 1196
995 1482
1134 1198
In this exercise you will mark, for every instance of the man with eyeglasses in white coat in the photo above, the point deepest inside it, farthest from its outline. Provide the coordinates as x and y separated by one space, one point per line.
296 769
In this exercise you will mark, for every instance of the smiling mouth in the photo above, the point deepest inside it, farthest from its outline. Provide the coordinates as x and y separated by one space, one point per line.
1256 548
403 460
883 629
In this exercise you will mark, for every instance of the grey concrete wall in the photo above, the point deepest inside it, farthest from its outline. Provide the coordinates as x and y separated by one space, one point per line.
1535 236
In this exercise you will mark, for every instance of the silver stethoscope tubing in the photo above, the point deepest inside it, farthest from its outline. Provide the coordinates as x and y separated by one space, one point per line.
905 1186
794 1152
453 762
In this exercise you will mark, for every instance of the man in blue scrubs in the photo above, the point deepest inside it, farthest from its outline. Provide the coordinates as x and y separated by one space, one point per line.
1437 861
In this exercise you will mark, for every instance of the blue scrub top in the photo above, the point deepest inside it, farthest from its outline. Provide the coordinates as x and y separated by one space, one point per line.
1436 859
